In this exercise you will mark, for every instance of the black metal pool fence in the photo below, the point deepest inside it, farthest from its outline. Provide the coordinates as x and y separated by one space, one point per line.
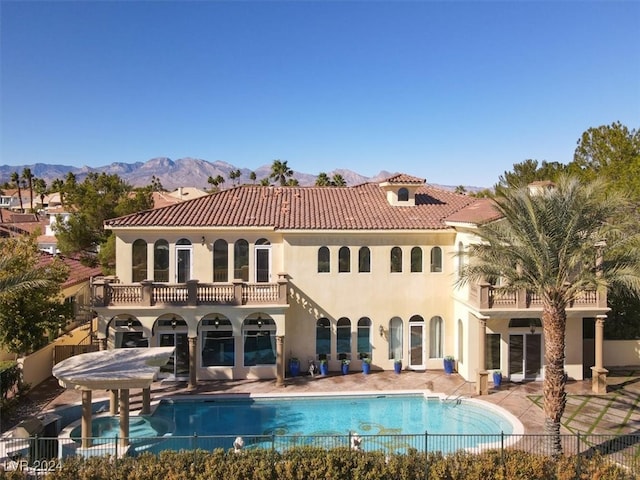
45 452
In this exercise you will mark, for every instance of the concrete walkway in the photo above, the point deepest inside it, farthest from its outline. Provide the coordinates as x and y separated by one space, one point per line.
616 412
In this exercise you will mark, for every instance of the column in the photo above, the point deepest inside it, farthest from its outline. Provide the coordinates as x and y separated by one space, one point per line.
86 419
192 362
482 376
113 402
146 401
598 372
280 361
102 343
124 417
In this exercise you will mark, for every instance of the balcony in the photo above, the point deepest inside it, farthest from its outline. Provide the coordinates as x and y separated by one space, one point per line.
108 292
486 297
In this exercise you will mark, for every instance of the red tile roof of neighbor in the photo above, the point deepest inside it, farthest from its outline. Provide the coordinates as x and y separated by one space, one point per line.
482 211
78 272
362 207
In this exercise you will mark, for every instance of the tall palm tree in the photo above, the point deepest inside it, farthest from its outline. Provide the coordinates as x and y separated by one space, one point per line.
28 177
280 171
323 180
15 179
551 243
338 180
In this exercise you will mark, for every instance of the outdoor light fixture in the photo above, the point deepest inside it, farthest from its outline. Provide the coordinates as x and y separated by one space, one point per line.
259 322
532 327
130 322
174 323
203 240
216 322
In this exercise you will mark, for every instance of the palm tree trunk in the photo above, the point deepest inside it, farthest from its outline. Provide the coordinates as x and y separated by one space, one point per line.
554 320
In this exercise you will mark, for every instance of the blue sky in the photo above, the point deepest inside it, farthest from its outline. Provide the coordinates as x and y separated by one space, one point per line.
454 92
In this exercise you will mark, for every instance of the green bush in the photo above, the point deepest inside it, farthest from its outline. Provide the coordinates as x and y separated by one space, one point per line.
313 463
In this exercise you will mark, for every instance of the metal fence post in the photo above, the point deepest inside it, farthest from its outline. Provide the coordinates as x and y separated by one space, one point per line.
115 459
273 442
426 455
578 454
502 462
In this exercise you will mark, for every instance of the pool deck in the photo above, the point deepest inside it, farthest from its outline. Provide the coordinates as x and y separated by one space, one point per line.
617 412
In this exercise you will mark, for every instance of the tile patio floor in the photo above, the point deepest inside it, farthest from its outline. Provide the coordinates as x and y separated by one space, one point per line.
616 412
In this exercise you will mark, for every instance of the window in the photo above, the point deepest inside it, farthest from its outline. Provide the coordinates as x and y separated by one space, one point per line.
492 351
139 261
436 337
220 261
161 261
460 342
364 337
403 195
344 260
263 260
324 260
129 334
460 259
396 260
241 260
395 339
218 346
364 260
259 341
343 338
323 337
436 259
416 259
183 260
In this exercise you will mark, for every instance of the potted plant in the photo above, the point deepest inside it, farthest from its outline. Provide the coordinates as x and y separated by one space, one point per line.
324 366
294 366
366 365
448 364
397 365
497 378
345 366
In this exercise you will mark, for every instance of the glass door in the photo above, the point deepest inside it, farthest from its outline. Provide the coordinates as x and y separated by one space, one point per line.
416 347
263 267
178 365
183 267
525 356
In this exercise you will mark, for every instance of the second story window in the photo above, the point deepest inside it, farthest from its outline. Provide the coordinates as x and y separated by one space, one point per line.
364 260
241 260
161 261
139 261
344 260
396 260
220 261
416 259
436 259
324 260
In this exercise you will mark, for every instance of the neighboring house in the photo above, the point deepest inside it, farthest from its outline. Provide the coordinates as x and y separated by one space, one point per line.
242 280
14 224
9 199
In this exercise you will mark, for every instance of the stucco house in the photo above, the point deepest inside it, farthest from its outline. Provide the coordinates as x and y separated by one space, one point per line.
242 280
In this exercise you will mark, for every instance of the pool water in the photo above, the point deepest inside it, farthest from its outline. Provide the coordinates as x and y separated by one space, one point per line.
336 415
105 429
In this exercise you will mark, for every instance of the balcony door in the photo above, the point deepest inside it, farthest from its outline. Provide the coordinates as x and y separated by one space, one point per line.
263 261
183 261
417 344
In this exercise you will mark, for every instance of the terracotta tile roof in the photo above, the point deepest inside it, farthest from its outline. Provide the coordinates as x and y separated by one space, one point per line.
480 212
78 272
403 178
363 207
21 223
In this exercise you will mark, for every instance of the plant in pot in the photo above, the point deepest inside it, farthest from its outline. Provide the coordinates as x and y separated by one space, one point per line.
366 365
397 365
497 378
449 362
294 366
324 366
345 366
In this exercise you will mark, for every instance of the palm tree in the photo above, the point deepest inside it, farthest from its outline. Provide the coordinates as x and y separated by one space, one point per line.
28 177
323 180
338 180
58 186
24 281
280 171
15 179
551 243
252 177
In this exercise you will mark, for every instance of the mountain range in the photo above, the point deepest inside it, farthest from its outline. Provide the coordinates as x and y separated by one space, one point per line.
183 172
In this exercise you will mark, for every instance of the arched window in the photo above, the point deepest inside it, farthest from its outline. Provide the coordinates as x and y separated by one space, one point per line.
364 260
220 261
416 259
241 260
396 260
139 261
259 339
323 338
403 195
436 259
324 260
263 241
343 338
218 345
364 337
395 339
436 337
344 260
460 342
161 261
460 258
